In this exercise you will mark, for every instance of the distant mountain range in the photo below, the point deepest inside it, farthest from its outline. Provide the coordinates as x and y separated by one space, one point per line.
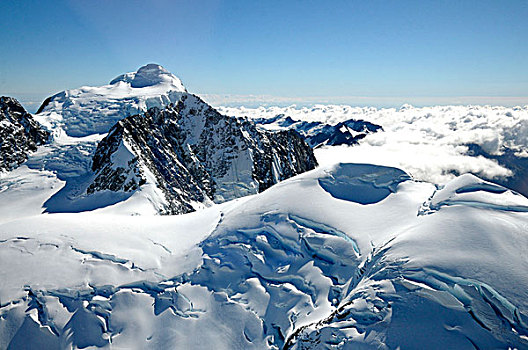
318 134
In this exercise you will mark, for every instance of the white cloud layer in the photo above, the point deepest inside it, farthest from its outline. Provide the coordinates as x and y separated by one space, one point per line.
249 100
429 143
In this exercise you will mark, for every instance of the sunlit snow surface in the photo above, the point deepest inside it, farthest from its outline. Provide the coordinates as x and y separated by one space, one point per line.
345 256
95 109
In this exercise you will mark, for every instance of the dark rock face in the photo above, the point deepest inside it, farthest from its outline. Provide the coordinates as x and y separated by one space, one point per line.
196 156
20 134
508 159
318 134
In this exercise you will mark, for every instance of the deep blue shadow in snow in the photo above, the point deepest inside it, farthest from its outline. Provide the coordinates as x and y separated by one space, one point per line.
362 183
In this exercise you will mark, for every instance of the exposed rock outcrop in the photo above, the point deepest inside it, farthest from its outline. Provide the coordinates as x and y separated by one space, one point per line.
318 134
20 134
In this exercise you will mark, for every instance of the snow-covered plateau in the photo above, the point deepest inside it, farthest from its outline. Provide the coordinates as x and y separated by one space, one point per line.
346 256
392 242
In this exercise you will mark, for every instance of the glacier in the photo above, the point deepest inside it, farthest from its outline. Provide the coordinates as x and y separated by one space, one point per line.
308 263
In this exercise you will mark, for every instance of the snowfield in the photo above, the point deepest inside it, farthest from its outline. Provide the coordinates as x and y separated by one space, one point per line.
346 256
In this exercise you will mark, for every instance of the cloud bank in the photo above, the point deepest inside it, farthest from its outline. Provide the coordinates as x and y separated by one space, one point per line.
248 100
430 143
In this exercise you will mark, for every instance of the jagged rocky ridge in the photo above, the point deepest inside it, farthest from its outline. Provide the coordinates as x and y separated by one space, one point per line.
196 156
20 134
318 134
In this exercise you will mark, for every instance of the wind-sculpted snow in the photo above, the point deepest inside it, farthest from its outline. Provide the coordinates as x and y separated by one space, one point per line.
472 191
432 143
150 75
290 268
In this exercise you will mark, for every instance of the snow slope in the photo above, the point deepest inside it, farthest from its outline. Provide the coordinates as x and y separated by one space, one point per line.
431 143
346 256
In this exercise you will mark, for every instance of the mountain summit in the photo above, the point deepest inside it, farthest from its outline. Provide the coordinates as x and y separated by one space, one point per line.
150 75
92 110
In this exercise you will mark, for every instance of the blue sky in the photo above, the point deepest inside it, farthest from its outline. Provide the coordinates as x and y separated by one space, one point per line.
360 52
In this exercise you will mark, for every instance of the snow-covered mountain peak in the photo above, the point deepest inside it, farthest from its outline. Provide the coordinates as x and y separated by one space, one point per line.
150 75
91 110
195 156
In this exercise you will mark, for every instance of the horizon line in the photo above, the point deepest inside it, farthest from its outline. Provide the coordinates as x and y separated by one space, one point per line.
31 101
